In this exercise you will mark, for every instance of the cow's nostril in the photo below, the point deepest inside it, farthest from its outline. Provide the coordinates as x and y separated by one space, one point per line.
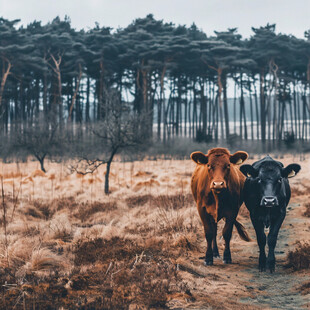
269 201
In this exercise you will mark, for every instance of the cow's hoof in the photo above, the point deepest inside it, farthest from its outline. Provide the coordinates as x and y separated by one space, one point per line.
216 255
227 261
271 268
262 268
209 262
271 265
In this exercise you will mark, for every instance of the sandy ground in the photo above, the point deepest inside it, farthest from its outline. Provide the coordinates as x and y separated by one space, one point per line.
236 286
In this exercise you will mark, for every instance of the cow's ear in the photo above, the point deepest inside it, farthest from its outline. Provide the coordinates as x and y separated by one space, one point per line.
199 158
249 171
290 171
238 158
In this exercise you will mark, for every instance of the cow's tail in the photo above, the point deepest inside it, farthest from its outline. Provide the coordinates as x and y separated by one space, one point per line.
242 232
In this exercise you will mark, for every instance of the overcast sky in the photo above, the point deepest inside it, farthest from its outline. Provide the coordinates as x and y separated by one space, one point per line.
291 16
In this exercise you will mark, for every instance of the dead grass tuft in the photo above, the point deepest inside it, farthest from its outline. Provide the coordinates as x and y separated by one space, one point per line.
34 212
68 203
307 211
100 250
138 200
44 208
305 288
185 243
85 210
41 259
148 284
297 191
174 202
299 258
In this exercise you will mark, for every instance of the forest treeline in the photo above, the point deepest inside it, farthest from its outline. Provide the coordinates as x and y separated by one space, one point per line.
176 75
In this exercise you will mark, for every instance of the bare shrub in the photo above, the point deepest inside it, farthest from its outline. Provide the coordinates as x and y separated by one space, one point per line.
299 258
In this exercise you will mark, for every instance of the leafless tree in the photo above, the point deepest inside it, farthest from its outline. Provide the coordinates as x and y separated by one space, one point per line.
121 129
40 139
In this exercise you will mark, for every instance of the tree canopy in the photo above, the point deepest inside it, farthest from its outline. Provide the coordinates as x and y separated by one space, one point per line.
176 74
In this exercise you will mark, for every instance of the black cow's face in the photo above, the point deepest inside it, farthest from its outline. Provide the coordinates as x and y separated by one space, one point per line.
270 184
269 178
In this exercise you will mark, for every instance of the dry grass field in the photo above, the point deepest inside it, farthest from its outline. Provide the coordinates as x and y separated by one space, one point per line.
66 245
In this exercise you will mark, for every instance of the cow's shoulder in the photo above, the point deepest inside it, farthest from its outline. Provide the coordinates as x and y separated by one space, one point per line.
236 179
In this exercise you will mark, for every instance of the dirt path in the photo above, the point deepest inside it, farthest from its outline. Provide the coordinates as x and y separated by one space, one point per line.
280 290
240 285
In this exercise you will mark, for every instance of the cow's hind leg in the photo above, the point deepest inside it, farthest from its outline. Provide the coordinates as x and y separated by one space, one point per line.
261 240
215 248
227 231
272 241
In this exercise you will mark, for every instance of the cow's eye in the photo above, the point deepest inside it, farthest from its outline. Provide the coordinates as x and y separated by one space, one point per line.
280 180
208 166
228 166
259 181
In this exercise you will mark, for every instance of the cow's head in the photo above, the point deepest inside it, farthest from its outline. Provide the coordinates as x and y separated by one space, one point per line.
269 176
218 162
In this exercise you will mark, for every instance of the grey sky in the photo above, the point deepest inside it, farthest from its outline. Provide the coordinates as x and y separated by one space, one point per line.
291 17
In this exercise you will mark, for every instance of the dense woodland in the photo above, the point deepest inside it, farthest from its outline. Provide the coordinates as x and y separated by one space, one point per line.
176 75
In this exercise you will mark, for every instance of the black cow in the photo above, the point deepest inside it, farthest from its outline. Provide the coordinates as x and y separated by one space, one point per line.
266 195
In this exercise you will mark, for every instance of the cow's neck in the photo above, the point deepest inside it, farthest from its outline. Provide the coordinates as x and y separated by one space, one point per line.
217 203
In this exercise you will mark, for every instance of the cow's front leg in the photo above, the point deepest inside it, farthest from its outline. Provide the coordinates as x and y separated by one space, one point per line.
272 241
210 232
261 241
227 231
215 248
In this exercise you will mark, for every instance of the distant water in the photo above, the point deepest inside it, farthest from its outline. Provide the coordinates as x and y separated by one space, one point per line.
234 128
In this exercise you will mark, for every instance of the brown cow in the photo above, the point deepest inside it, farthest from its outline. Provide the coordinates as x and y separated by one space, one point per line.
217 185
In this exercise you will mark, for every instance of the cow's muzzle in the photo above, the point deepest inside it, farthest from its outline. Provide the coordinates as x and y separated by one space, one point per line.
269 201
218 186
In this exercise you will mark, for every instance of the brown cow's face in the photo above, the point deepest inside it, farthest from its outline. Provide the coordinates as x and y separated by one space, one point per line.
218 162
219 168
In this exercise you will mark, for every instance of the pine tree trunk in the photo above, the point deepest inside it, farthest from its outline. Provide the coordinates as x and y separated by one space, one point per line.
226 116
87 100
6 67
78 80
262 106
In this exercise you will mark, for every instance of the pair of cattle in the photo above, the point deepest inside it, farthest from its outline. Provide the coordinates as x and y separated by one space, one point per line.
219 188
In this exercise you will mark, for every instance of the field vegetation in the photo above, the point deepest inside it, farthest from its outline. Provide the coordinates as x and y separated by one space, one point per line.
64 243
